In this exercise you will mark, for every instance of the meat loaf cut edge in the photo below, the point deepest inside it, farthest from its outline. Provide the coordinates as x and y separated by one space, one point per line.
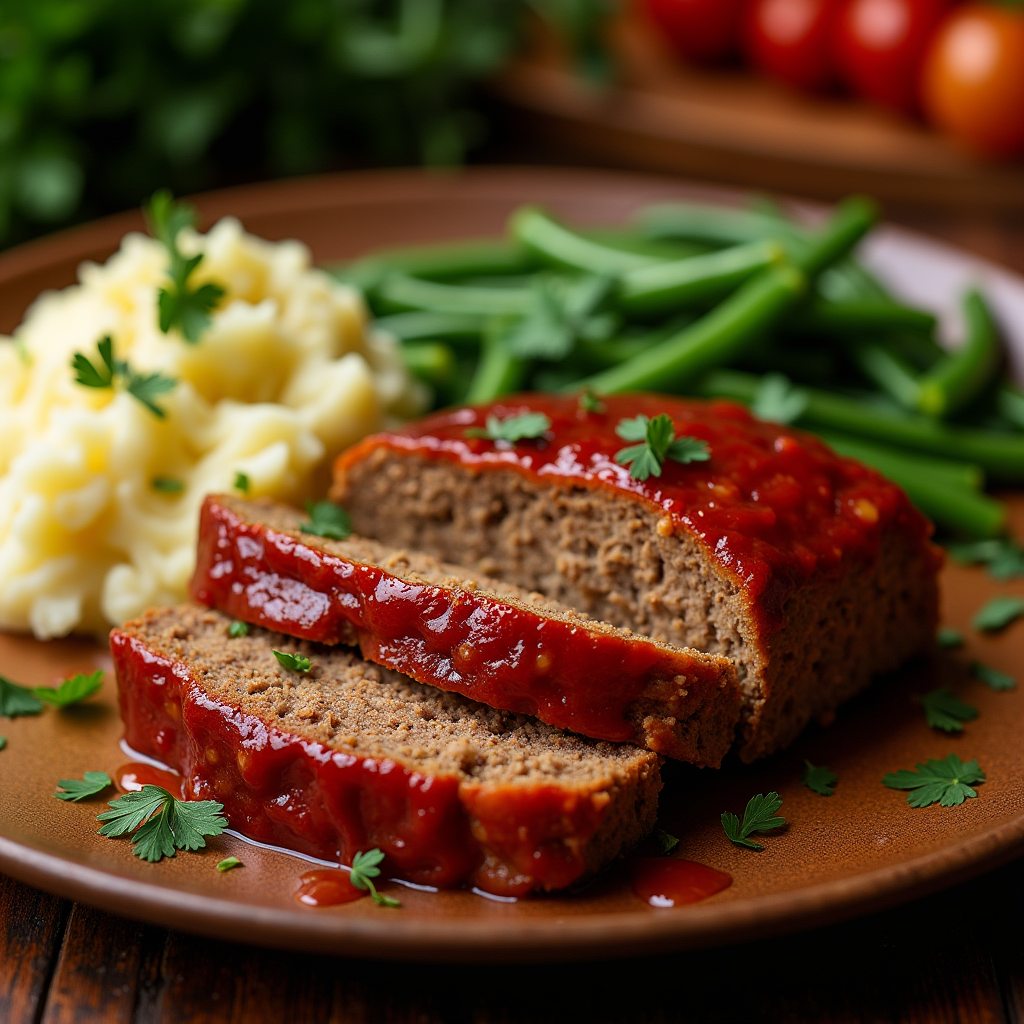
609 556
350 756
450 627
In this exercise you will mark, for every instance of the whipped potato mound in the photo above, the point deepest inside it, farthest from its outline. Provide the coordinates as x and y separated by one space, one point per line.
99 497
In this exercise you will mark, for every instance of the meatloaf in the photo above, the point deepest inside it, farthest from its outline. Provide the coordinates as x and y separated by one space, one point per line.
450 627
810 571
348 756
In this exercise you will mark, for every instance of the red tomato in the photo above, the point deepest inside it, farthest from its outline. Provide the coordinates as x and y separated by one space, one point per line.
973 78
700 30
791 40
880 46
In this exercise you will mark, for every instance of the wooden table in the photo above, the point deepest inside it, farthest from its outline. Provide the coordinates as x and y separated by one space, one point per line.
957 956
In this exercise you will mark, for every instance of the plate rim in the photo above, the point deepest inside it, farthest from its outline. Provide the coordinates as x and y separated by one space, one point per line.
593 935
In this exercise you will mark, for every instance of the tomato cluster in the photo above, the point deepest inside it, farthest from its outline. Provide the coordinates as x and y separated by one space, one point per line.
959 64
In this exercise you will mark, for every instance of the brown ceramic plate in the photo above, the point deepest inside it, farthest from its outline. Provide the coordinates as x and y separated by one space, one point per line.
858 850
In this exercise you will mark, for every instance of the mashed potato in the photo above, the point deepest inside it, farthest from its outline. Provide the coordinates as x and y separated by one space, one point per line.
286 376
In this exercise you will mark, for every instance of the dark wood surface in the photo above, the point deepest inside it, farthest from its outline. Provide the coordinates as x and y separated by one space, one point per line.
956 957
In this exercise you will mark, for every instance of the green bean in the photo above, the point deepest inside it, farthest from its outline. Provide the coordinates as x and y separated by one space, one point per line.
889 371
400 292
716 225
965 476
661 249
718 337
862 316
416 326
1010 403
1000 455
852 220
959 377
498 372
696 281
442 262
556 245
431 362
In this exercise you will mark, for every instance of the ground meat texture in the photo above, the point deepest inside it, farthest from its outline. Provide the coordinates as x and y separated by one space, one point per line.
349 756
606 547
452 627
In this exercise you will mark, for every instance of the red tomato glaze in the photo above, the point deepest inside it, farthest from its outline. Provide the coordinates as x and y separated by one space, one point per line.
130 778
279 789
455 639
773 506
327 887
668 882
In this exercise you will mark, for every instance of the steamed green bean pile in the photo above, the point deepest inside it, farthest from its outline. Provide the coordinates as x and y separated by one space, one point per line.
742 304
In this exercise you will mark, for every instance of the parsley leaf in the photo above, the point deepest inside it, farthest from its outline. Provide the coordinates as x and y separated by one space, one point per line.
992 678
659 442
167 485
161 823
589 402
947 782
180 305
237 629
1002 557
75 790
666 843
777 400
819 778
144 387
228 863
947 637
527 426
241 482
72 690
943 710
292 662
364 868
327 520
998 613
17 700
3 742
759 816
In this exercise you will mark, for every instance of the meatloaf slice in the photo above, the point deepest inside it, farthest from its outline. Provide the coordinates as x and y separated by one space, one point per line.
810 571
452 628
348 756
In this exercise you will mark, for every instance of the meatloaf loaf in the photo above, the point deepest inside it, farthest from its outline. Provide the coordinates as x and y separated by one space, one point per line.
348 756
810 571
447 626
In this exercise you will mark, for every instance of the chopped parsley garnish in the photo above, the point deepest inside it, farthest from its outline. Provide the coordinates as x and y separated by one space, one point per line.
90 784
992 678
292 662
17 700
759 816
998 613
364 868
181 305
819 778
327 520
777 400
947 782
527 426
237 629
943 710
948 638
167 485
3 742
228 863
658 443
111 373
162 824
1002 557
589 402
665 842
241 483
72 690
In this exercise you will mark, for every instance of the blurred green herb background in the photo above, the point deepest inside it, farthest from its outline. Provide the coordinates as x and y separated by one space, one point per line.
104 101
